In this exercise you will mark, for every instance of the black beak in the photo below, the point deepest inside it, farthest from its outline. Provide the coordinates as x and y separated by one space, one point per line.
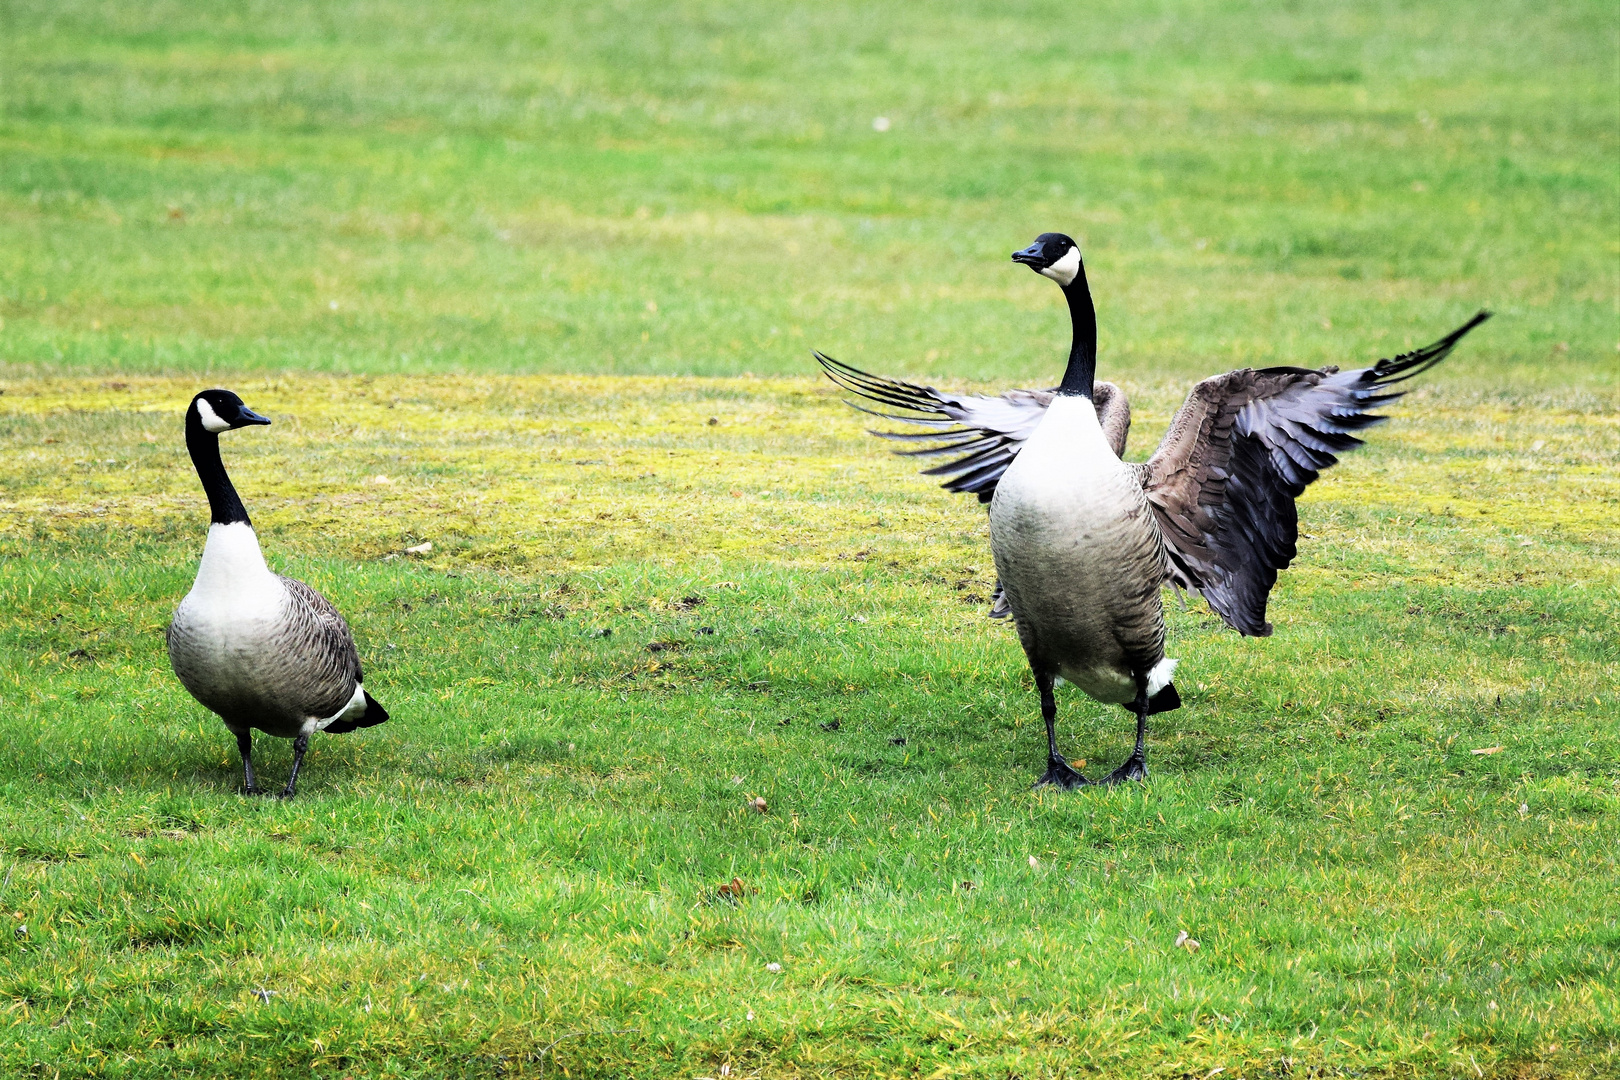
248 416
1030 257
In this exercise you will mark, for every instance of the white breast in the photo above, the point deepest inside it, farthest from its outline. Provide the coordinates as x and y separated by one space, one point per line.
1066 457
235 596
231 563
1066 507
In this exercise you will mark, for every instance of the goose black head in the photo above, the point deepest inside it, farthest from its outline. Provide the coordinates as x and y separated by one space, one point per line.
1052 255
221 410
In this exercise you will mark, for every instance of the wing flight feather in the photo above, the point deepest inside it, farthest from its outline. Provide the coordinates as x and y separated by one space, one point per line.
987 432
1241 449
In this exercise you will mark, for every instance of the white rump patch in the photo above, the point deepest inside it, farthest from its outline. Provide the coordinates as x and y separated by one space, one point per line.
354 710
1159 677
1066 269
210 418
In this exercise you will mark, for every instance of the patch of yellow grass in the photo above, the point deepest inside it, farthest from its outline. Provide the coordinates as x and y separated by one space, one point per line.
555 472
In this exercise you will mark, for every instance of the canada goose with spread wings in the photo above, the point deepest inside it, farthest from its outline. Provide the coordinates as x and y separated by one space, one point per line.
1083 541
260 650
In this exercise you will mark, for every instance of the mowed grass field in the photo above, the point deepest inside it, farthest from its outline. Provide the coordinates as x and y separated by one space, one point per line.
649 602
538 286
698 188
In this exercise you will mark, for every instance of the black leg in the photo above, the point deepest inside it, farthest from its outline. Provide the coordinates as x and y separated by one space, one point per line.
300 744
244 746
1135 767
1058 771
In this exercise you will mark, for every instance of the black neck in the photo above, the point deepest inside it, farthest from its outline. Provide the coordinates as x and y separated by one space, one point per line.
224 506
1082 370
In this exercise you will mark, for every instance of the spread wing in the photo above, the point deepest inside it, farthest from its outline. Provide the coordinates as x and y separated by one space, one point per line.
985 433
1242 448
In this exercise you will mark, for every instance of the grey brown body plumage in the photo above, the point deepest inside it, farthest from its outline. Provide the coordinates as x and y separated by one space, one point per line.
284 667
1085 597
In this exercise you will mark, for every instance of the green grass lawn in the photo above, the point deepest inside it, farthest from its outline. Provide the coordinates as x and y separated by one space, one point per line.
532 847
481 263
698 189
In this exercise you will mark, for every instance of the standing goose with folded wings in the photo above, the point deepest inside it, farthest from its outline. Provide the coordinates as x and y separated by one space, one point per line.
258 649
1083 541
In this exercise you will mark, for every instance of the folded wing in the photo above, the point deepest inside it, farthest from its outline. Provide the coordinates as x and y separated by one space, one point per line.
1242 448
322 662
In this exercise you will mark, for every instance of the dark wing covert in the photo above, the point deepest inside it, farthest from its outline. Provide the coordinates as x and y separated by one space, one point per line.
320 639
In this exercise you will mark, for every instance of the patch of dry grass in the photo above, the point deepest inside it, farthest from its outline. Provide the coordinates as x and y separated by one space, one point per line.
553 472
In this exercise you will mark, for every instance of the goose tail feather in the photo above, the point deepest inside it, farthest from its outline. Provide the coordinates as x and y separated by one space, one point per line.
374 715
1165 700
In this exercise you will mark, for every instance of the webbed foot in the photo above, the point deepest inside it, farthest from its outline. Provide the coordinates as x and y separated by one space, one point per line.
1060 773
1135 768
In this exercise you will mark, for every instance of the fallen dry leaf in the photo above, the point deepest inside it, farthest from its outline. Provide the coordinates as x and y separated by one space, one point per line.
735 887
1487 750
420 549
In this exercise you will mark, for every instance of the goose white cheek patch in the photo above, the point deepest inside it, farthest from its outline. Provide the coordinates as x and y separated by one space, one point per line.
210 419
1064 270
